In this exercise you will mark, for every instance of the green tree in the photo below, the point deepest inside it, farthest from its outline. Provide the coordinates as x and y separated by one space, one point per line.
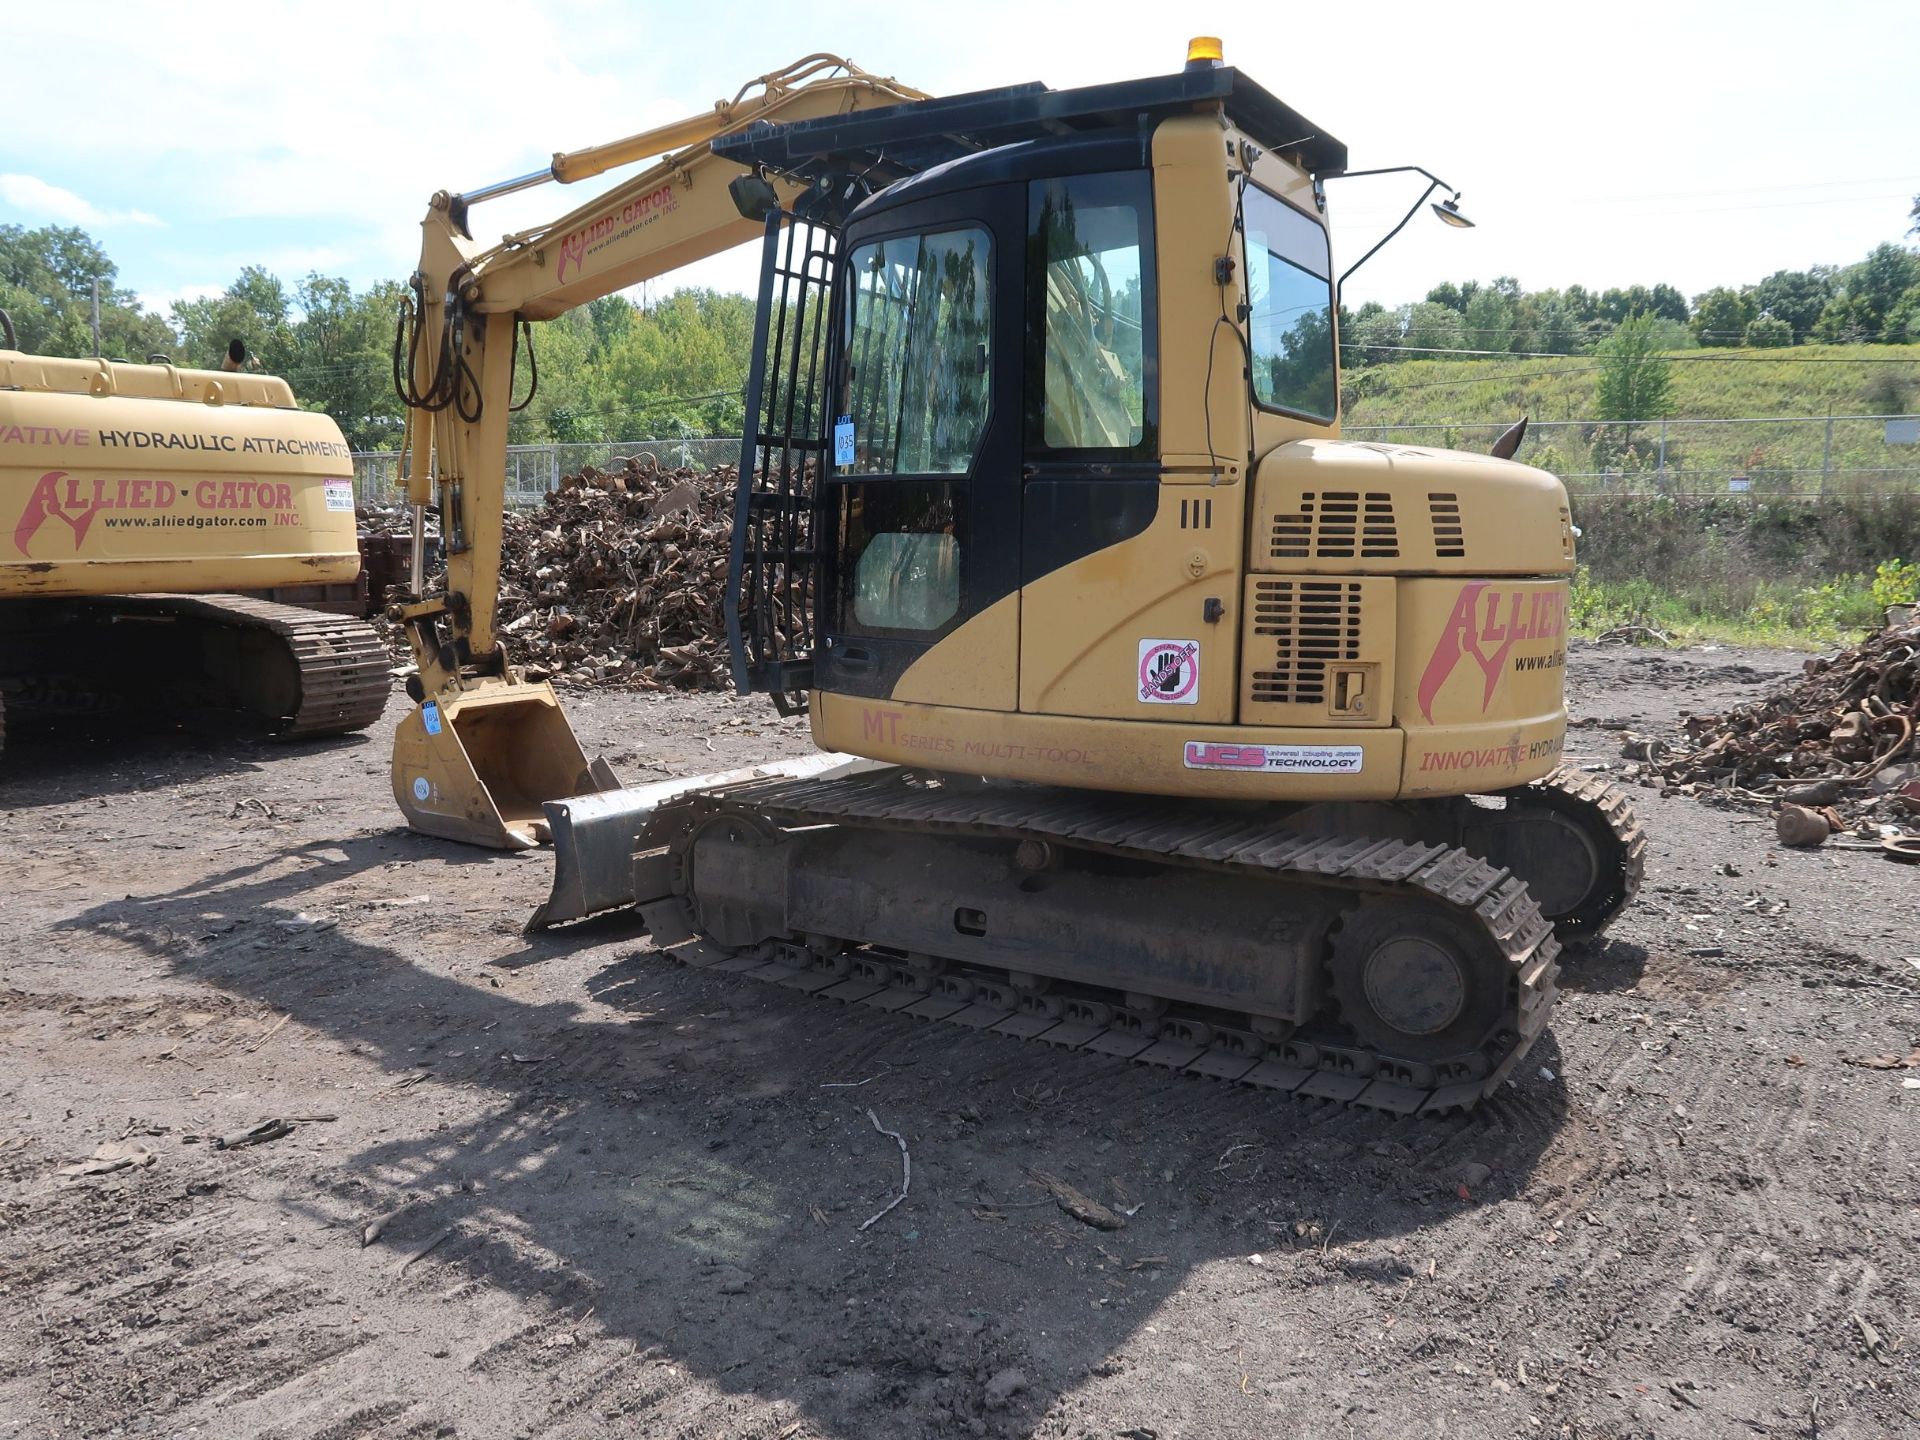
1454 297
339 358
1371 336
1556 324
1721 316
253 309
1636 381
1769 332
1491 318
1903 320
680 367
1846 320
1883 277
1667 303
46 285
1433 326
1795 296
1661 301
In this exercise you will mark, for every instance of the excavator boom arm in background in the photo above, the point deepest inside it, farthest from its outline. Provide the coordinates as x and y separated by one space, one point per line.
457 374
484 747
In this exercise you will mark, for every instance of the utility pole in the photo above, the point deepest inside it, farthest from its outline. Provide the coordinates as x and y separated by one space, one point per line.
96 317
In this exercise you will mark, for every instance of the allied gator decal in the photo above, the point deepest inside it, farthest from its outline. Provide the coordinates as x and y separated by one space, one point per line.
1488 620
577 246
151 502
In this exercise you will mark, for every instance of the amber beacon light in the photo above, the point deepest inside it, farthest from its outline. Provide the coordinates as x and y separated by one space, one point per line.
1204 50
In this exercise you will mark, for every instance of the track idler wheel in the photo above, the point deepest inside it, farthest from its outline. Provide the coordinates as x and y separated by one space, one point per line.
1414 981
1575 843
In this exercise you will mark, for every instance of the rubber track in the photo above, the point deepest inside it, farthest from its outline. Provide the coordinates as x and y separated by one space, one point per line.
343 665
1607 807
1484 895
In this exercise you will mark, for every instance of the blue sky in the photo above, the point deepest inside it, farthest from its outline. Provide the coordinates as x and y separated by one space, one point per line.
1692 143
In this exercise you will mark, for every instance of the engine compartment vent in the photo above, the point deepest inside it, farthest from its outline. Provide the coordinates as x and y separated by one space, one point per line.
1314 624
1338 525
1449 538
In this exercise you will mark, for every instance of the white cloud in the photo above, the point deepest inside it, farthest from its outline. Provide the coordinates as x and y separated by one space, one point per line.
328 134
161 302
36 197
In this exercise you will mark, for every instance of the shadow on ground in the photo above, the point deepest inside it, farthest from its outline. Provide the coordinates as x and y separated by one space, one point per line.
49 765
690 1157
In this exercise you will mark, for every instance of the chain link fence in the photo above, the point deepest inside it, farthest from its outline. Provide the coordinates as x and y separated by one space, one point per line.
1787 456
1791 456
532 470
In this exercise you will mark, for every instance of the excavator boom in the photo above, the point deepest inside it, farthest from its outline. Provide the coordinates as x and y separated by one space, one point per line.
485 748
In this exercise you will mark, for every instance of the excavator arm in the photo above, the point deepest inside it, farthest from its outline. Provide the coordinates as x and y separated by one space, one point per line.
484 748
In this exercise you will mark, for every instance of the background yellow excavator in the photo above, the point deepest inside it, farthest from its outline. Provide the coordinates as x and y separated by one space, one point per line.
152 520
1188 731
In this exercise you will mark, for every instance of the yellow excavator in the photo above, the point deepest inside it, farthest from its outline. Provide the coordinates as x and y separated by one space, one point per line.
154 521
1157 719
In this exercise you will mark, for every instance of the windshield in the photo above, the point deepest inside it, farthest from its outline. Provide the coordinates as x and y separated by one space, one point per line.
1290 330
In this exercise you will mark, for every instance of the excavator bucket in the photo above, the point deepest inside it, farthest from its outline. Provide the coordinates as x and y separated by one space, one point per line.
477 767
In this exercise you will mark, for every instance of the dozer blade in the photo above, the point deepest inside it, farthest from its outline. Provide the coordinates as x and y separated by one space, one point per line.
477 767
594 835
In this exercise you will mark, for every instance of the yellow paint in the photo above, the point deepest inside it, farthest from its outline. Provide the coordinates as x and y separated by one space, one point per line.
122 478
474 762
1147 757
1081 627
977 666
1505 518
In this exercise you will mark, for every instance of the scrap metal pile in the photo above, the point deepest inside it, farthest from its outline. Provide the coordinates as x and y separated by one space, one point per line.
618 578
1839 741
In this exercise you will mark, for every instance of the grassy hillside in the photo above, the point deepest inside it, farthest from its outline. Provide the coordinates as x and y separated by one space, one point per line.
1475 398
1422 392
1657 550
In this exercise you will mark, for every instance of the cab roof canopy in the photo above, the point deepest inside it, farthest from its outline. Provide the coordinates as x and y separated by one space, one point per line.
890 143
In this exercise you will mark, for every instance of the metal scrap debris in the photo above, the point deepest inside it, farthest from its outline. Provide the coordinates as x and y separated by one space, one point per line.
1080 1205
112 1156
619 578
1910 1061
1836 744
254 1134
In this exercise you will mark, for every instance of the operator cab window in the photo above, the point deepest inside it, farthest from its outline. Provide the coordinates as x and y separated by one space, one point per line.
919 353
1090 303
1290 332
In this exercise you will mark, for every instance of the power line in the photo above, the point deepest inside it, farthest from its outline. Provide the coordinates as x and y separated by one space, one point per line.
1680 357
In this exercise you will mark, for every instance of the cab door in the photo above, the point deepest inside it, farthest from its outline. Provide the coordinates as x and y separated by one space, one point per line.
921 498
1119 565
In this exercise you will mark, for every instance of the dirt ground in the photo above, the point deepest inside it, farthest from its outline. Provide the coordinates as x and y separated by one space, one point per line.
625 1198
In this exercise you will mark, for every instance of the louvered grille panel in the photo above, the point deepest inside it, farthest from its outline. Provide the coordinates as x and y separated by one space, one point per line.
1337 525
1449 538
1313 624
